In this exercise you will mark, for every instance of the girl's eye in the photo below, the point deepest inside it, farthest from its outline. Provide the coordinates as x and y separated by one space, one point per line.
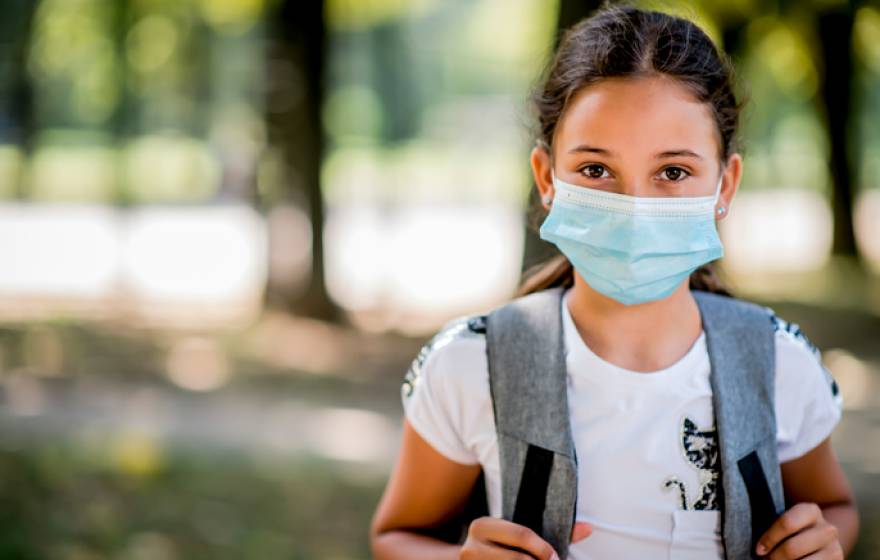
597 171
594 170
676 173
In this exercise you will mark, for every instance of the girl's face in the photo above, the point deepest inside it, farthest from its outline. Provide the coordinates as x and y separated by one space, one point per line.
640 137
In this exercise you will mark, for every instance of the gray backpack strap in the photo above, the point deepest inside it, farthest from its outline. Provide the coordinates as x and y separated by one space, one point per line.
741 345
528 383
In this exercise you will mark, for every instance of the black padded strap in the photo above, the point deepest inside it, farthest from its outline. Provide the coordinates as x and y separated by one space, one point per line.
531 498
760 500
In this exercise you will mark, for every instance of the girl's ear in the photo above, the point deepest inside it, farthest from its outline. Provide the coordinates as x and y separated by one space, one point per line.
729 185
542 171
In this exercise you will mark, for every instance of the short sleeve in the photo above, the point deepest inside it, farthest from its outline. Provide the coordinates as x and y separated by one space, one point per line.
808 401
431 393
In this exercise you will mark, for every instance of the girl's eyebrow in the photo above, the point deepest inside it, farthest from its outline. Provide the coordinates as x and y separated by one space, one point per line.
666 154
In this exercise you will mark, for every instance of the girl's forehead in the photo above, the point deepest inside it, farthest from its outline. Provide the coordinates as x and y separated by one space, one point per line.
634 114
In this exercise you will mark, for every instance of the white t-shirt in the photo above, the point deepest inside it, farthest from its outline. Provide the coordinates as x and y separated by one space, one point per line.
643 440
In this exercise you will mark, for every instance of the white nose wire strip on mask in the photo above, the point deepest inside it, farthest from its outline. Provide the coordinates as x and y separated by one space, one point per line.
636 205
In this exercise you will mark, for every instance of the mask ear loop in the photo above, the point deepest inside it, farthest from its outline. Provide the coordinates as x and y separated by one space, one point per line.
548 199
721 209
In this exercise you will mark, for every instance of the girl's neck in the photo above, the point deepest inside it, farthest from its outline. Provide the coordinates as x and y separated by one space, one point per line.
645 337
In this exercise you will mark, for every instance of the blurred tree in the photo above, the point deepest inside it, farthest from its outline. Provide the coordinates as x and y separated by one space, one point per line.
834 49
16 106
733 36
572 11
295 89
120 121
393 80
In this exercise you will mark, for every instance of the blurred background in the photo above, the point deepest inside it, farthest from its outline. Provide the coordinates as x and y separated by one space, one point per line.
227 227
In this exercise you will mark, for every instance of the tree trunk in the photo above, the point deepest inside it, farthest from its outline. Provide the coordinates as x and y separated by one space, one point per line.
16 88
571 12
835 39
296 87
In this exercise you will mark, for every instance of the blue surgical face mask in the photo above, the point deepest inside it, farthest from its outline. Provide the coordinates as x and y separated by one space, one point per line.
631 248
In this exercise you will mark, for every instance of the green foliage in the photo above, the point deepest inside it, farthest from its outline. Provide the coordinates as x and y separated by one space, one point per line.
60 503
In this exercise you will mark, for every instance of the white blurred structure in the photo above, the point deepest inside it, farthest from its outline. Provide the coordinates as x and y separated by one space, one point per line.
867 222
209 259
59 250
413 266
182 264
777 230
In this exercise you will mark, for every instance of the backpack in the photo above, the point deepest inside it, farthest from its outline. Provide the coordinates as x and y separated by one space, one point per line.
536 449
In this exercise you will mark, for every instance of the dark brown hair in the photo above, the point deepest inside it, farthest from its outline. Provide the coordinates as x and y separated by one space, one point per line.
620 40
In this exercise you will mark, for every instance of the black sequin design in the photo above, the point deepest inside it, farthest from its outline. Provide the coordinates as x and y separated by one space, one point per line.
474 325
477 324
793 331
700 448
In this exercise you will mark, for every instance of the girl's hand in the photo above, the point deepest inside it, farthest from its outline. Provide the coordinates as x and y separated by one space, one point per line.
800 531
491 538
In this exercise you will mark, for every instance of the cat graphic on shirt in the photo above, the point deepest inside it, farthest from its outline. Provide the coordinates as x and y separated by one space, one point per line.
700 448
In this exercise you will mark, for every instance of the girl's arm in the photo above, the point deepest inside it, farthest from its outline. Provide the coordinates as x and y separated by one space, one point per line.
814 479
427 489
424 490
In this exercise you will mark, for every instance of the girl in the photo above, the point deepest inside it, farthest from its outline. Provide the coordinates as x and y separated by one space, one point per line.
637 120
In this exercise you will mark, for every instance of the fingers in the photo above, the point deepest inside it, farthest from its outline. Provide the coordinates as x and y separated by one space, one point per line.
580 531
491 537
812 539
505 533
798 517
486 551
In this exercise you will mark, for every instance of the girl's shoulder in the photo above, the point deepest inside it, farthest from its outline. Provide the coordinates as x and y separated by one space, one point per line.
455 354
445 391
808 401
797 357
